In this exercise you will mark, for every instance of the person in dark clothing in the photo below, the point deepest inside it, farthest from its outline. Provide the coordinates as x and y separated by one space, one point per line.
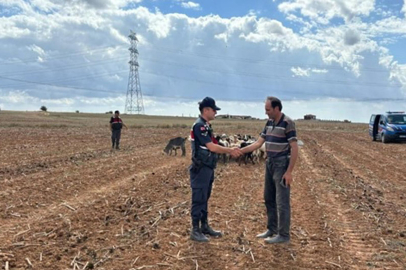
204 158
116 124
279 136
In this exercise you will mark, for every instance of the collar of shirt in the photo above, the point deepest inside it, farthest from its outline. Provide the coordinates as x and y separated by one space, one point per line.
204 120
206 124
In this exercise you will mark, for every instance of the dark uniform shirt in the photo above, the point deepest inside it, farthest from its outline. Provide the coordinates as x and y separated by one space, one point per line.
201 134
117 123
278 136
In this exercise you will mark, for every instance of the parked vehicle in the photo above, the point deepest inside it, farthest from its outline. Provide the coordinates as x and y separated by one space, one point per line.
387 127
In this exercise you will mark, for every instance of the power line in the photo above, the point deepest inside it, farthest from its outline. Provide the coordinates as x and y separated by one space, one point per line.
211 56
66 67
194 81
263 76
266 76
59 86
255 61
60 56
172 96
72 79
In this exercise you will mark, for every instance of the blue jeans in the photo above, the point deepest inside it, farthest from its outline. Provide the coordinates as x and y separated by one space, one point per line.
277 196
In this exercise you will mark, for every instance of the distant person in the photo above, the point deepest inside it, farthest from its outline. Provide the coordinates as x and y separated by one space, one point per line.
279 136
116 124
204 159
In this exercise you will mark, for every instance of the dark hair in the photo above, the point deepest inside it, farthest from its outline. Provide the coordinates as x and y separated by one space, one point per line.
116 112
201 108
275 102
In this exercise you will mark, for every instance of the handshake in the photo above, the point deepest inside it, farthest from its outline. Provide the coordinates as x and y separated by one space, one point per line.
236 152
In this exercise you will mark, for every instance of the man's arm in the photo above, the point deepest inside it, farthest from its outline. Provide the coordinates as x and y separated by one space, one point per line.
252 147
294 153
201 133
223 150
111 126
124 125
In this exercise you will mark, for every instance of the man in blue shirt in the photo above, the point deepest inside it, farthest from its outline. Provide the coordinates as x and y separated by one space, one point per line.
279 136
204 158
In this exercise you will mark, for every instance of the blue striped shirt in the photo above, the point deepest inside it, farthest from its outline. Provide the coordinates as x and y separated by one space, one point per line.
278 135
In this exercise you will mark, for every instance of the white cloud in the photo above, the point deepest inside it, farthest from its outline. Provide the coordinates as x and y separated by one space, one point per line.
253 12
306 72
300 72
17 97
186 57
391 25
404 7
106 4
322 11
315 70
191 5
61 101
36 49
45 5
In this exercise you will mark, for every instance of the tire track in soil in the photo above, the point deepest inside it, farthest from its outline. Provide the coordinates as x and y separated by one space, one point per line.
47 154
237 198
89 171
245 217
385 207
109 194
81 203
360 243
369 158
378 179
71 162
240 231
318 246
44 162
68 179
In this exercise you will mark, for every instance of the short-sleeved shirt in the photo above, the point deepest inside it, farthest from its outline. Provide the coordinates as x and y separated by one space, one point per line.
116 123
278 136
201 134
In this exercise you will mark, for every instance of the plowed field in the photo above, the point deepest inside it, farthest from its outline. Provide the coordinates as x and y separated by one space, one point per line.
67 201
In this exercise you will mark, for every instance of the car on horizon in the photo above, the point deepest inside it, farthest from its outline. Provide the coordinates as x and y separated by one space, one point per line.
388 127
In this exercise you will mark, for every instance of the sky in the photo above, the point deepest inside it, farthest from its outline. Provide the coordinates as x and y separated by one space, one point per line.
337 59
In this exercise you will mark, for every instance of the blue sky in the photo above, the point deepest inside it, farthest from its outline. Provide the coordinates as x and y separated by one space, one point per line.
338 59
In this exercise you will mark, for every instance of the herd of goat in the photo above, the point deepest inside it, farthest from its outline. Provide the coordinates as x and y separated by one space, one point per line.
230 141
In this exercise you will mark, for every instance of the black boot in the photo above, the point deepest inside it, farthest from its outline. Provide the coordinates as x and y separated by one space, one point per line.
206 229
196 234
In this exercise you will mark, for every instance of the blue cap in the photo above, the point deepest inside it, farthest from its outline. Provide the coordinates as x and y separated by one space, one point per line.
208 102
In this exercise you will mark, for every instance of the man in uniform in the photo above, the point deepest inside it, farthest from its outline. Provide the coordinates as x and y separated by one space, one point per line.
280 140
116 124
204 152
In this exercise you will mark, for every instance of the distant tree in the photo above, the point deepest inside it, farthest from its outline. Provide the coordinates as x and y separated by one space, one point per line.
77 111
43 108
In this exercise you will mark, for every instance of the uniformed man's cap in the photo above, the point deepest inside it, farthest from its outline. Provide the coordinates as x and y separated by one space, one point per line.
208 102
